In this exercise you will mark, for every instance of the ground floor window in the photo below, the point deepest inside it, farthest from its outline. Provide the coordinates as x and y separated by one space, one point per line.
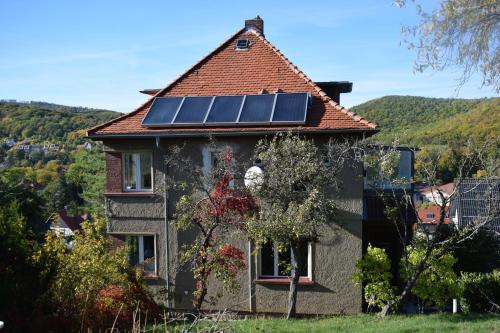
275 263
142 252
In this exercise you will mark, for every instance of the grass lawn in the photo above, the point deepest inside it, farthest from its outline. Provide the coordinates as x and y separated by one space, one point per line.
370 324
439 323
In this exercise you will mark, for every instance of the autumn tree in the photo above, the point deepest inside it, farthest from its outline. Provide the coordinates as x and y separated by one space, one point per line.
215 208
295 194
459 33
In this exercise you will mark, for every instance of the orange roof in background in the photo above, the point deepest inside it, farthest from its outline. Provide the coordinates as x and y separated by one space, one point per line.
226 71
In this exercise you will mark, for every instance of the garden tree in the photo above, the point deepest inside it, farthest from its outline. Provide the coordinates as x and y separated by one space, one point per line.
459 33
295 196
88 175
216 208
20 280
16 187
435 285
92 283
57 194
433 245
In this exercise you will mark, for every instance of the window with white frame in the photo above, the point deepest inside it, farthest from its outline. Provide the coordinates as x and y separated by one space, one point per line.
211 160
275 263
137 171
142 249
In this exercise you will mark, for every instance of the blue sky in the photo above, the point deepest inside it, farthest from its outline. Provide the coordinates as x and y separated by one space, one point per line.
101 53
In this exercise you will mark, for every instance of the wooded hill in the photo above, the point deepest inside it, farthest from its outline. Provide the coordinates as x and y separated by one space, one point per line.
41 122
423 121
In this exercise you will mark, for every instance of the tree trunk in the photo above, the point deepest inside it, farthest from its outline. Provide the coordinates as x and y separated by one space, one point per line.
200 299
294 281
409 285
201 284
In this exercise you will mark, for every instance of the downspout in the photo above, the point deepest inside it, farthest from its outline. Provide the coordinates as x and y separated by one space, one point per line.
165 212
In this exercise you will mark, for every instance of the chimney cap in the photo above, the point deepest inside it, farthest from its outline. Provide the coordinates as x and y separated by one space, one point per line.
255 23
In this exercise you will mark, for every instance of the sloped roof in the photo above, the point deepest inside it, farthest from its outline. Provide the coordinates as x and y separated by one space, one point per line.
72 222
226 71
446 189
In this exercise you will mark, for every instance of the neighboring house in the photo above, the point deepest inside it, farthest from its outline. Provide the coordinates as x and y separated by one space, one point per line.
477 201
431 213
378 229
38 148
65 225
241 92
432 193
428 201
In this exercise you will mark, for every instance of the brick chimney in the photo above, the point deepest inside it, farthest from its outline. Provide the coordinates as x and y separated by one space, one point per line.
256 23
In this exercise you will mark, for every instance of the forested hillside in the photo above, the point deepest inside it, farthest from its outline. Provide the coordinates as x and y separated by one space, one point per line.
439 127
43 149
422 121
40 122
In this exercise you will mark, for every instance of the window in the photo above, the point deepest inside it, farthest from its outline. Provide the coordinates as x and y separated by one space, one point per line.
242 44
137 174
429 216
142 252
211 161
274 263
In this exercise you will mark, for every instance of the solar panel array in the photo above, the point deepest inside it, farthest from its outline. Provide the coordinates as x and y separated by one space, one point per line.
478 202
271 109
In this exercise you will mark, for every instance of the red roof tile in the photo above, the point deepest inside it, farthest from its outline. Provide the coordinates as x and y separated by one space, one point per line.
226 71
73 222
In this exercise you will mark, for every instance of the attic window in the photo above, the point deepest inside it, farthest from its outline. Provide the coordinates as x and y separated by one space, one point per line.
242 44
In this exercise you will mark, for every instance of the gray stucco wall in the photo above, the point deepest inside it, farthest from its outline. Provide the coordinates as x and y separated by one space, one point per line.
334 255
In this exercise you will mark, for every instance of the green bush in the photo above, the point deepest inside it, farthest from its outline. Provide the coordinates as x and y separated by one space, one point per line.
479 254
91 284
374 273
480 292
437 284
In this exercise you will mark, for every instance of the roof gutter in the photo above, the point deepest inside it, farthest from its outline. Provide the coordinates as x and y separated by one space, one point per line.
214 134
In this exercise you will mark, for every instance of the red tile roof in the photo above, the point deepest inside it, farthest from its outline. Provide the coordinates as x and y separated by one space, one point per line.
73 222
226 71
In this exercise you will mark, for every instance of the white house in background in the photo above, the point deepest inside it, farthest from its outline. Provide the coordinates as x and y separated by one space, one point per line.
65 226
431 194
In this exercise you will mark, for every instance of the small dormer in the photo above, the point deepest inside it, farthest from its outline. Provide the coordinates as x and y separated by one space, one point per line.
335 88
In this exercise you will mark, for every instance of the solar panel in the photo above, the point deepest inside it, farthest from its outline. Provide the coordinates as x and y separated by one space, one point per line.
257 109
225 109
162 111
193 110
269 109
290 108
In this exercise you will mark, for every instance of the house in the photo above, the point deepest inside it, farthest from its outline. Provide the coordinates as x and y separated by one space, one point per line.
378 229
428 203
432 194
65 225
476 201
244 90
